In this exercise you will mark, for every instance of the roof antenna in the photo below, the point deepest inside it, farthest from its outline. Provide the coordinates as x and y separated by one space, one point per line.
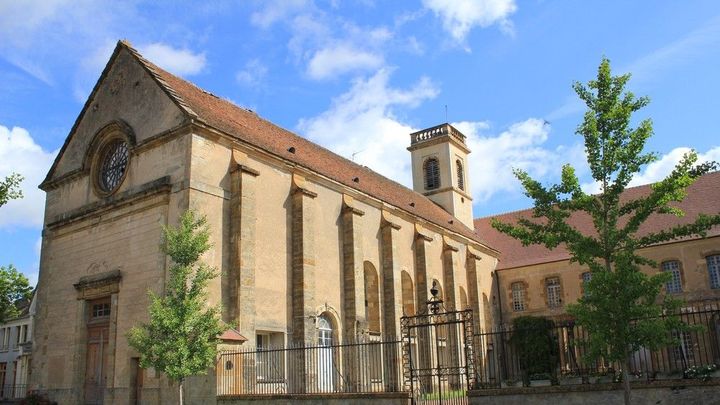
446 120
355 153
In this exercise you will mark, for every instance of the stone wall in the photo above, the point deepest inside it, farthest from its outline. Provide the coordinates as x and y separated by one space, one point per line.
655 393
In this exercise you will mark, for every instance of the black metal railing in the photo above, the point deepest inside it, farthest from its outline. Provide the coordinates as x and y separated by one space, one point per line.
9 391
500 360
338 368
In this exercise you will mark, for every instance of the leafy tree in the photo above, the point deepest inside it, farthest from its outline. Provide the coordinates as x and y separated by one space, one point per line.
622 309
14 287
536 347
10 188
181 337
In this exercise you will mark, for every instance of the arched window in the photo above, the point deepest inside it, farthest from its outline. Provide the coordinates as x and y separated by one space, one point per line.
431 167
463 299
673 286
372 298
408 294
518 296
460 175
553 292
713 265
325 332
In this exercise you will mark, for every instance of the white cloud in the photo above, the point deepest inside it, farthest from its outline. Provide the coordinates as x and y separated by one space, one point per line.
253 73
20 154
362 122
275 11
460 16
179 61
336 60
519 146
657 170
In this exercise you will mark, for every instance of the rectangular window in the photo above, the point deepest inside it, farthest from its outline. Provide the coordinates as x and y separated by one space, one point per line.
673 286
586 277
713 265
684 349
101 310
518 297
269 358
552 286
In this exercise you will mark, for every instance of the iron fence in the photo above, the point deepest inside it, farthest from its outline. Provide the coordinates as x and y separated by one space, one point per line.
500 361
384 366
10 391
337 368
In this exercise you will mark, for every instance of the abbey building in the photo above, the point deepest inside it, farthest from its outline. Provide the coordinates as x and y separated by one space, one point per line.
309 244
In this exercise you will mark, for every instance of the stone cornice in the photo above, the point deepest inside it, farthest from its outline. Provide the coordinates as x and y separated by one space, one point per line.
422 233
386 219
350 206
300 185
154 187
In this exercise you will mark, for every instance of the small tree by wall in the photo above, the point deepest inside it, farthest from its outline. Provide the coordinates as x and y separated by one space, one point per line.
181 337
533 340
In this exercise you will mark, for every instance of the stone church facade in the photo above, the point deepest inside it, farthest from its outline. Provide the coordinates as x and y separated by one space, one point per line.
300 234
302 237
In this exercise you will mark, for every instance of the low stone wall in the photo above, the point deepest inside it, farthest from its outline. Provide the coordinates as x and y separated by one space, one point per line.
652 393
385 398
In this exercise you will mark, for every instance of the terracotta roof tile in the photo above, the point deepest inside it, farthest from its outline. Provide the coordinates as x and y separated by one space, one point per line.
702 197
232 335
249 127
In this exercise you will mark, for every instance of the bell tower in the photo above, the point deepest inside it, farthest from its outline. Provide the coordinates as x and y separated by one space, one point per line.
440 169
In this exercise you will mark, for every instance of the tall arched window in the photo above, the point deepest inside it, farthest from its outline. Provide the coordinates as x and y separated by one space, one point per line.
372 298
325 332
408 294
460 175
431 167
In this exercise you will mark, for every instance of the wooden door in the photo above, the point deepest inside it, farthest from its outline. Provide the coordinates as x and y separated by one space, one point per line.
96 364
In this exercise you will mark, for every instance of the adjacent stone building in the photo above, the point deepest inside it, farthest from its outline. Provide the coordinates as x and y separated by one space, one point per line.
308 242
532 280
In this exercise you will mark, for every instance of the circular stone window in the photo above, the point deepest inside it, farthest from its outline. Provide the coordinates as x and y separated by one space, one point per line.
113 165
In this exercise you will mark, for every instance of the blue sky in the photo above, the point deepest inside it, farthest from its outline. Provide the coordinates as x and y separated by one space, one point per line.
358 76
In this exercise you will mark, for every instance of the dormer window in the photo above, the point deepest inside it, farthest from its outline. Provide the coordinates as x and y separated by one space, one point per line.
431 168
460 175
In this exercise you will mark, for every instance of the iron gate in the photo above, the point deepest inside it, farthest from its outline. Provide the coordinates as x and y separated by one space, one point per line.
438 358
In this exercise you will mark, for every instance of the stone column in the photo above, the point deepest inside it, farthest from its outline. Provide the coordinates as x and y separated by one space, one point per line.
392 304
354 319
450 252
240 302
452 331
424 343
354 322
303 282
471 265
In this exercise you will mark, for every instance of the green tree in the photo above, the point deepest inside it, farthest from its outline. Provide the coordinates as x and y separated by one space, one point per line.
181 337
622 307
10 188
14 287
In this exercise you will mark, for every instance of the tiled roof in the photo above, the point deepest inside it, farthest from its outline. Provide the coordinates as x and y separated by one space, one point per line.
252 129
702 197
232 335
